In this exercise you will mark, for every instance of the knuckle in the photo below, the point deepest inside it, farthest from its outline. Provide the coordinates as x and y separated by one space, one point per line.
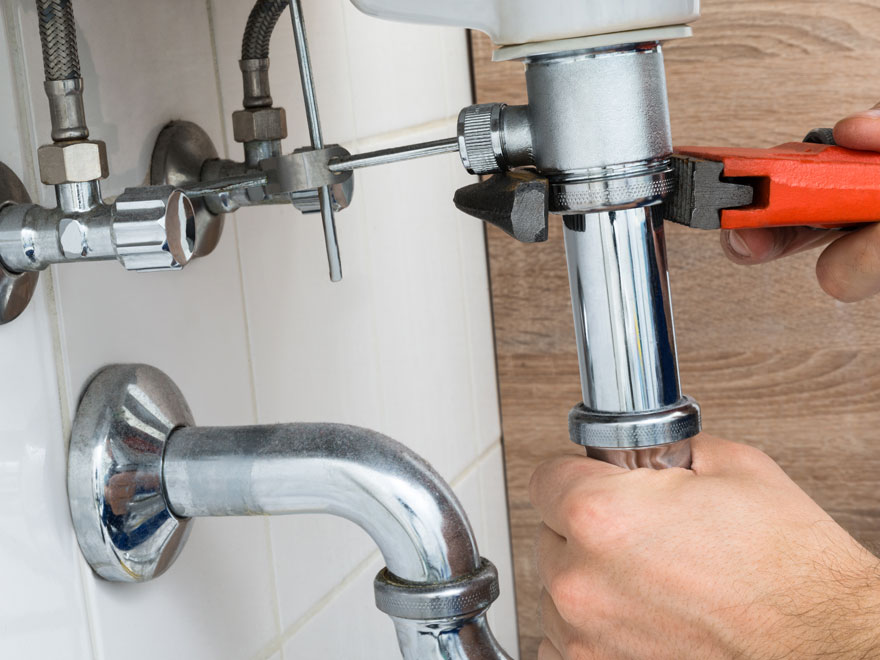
596 520
569 595
72 162
576 510
753 457
259 124
554 471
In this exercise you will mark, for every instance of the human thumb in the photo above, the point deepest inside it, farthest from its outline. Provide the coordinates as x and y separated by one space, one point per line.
860 130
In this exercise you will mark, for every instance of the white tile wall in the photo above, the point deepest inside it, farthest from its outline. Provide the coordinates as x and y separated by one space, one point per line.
255 333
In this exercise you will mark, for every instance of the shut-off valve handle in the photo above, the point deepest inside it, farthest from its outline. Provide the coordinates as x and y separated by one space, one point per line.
311 103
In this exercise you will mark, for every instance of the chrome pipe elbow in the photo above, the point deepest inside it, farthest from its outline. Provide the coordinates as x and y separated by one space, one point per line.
354 473
139 470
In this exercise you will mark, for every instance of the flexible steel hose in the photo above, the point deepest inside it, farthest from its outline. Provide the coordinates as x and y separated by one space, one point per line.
58 37
260 24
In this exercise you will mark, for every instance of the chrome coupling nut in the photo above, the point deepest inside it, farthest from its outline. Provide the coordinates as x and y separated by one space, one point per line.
480 138
461 598
259 124
635 430
73 162
153 228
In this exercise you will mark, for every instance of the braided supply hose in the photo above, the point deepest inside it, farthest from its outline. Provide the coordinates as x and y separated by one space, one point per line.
58 37
260 24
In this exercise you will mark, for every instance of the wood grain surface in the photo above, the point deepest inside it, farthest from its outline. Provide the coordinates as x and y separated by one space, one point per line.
773 361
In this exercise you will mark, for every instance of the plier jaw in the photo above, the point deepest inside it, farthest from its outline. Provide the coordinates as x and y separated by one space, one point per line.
802 184
701 194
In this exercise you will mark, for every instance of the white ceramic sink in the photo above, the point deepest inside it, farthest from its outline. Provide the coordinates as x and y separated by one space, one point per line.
524 21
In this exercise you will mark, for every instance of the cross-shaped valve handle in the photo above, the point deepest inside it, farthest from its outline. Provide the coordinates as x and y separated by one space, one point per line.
311 102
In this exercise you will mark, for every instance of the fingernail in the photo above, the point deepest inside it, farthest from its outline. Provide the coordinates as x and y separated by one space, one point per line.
737 245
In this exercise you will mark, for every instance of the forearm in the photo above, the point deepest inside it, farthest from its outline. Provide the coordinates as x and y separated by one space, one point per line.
843 621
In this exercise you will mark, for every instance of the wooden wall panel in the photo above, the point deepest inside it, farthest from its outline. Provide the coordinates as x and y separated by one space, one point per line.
773 361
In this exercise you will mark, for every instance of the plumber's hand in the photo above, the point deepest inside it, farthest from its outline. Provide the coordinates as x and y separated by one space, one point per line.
730 560
849 268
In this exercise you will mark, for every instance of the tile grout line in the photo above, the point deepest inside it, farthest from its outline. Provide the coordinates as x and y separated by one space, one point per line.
476 416
221 110
475 464
321 604
466 315
212 33
348 77
22 95
255 413
27 141
362 212
369 257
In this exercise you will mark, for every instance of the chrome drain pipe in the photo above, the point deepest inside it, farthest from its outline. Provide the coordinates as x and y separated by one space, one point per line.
139 471
601 135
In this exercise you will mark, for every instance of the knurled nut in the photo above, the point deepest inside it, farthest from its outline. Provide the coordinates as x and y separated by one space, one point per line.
636 430
565 199
448 600
479 138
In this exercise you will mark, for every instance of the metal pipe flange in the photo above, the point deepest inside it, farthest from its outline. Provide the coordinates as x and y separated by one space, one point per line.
465 597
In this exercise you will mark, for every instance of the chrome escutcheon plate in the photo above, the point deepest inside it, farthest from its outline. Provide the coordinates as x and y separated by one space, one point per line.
124 526
180 152
16 289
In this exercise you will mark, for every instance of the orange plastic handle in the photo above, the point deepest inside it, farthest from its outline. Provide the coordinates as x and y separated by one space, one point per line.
800 184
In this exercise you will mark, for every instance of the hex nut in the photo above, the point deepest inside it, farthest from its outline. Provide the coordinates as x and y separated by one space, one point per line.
259 124
73 162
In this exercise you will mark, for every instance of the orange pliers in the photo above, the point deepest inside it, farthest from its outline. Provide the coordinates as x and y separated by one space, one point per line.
800 183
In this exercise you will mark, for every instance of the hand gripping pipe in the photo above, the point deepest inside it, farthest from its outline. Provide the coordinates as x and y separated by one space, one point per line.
138 470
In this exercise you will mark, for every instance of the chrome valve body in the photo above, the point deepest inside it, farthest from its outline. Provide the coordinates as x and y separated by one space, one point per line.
149 228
